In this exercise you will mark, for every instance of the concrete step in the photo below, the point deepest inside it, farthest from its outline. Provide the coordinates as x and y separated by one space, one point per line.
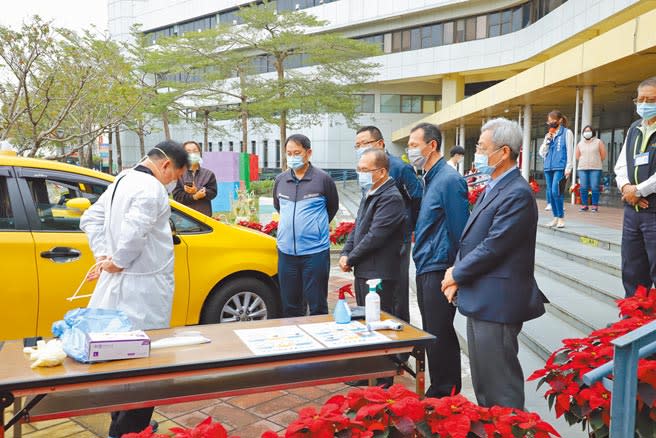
593 282
576 308
581 252
591 235
534 400
544 335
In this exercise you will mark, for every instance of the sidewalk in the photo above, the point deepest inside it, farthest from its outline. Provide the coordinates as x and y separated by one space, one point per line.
606 217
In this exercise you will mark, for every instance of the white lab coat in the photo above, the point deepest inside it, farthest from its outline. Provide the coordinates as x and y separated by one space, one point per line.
135 232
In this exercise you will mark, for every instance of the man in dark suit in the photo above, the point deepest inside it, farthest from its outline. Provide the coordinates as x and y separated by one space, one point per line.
493 272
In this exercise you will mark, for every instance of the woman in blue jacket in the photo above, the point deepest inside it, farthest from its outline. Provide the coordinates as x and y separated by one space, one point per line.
557 151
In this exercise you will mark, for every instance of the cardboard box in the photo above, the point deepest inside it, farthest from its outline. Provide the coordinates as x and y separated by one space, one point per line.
113 346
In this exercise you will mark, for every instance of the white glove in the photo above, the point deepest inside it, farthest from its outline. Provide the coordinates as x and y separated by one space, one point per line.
46 354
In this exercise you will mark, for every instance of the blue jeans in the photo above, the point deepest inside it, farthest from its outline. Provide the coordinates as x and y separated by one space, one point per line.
547 191
553 178
590 179
304 279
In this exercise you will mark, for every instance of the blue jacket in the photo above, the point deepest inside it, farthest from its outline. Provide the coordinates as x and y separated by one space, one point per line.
410 188
556 158
494 268
306 208
442 216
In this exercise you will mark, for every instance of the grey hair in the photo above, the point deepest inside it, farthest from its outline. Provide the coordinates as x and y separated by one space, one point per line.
649 82
505 133
381 161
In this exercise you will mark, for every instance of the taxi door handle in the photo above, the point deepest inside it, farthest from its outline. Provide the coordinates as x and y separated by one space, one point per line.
61 254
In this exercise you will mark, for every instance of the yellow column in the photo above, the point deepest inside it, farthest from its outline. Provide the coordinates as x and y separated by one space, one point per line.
453 90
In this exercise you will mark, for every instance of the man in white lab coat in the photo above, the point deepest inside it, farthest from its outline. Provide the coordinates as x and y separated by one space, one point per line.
130 236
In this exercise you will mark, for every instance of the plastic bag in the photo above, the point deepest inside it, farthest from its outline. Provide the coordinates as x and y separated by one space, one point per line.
73 329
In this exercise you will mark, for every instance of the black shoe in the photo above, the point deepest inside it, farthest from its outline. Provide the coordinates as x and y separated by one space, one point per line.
385 382
155 425
363 382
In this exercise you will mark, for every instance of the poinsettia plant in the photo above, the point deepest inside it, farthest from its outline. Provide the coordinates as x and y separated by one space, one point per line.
339 235
590 406
474 193
271 228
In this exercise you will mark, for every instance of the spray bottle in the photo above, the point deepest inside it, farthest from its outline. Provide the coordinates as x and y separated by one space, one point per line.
342 312
372 302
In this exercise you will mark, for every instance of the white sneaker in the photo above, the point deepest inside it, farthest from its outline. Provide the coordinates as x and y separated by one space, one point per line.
553 223
548 207
561 223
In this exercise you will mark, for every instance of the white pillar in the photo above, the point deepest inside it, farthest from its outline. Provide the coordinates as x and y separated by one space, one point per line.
576 139
526 142
586 107
461 142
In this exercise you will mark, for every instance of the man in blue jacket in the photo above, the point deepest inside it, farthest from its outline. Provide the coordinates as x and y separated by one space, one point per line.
307 200
410 188
493 272
442 216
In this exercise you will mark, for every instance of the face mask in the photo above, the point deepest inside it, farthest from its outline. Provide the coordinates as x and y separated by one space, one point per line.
587 135
194 158
295 162
365 180
359 152
416 158
481 163
553 125
646 110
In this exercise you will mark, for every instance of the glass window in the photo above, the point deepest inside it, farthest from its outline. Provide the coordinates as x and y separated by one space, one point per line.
365 103
265 150
277 153
426 36
448 32
390 103
437 35
410 104
387 43
50 197
526 14
396 42
517 18
253 146
405 40
494 24
470 29
6 213
430 104
415 39
460 31
220 146
231 146
186 225
506 22
481 26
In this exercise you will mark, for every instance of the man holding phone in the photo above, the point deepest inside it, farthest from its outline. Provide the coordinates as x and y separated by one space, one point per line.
197 187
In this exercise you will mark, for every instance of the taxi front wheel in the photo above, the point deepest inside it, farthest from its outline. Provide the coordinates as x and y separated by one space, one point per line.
241 299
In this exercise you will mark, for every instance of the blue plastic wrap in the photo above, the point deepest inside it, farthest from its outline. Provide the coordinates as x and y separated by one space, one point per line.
73 329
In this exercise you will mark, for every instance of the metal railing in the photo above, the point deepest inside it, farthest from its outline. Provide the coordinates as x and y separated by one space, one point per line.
629 349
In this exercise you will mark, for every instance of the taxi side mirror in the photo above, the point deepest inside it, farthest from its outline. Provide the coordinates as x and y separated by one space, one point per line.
80 204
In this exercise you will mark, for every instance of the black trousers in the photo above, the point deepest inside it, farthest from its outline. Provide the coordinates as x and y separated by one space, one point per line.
304 279
386 293
134 420
401 295
638 250
437 319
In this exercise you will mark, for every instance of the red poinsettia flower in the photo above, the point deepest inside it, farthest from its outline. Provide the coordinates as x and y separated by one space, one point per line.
271 228
252 225
270 434
322 424
643 303
205 429
595 396
647 372
473 194
146 433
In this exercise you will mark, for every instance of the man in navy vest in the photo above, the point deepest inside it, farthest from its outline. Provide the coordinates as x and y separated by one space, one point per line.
635 172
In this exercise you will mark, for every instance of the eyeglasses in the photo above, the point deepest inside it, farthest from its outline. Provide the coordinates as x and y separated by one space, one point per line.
644 100
358 146
368 170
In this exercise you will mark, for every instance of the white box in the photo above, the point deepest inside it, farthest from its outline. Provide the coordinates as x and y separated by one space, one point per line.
113 346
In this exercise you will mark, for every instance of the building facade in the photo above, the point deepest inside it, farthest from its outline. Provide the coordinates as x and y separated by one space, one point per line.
452 62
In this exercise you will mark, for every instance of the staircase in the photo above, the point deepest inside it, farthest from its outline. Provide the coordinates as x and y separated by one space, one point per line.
578 269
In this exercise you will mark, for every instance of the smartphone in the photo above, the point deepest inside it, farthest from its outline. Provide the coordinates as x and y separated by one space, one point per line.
188 184
31 342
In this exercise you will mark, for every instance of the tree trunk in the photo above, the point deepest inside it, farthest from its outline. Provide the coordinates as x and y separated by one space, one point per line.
244 112
119 153
142 141
165 124
282 123
110 136
206 130
90 156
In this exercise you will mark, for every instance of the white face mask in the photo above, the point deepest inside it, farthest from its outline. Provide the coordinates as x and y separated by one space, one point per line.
587 135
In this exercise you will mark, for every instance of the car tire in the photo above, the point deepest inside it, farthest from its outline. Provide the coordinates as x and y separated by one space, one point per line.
241 299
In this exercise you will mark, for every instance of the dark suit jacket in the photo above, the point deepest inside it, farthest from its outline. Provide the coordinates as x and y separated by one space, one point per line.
494 267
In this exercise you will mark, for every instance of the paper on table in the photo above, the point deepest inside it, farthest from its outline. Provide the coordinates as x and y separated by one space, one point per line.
332 334
277 340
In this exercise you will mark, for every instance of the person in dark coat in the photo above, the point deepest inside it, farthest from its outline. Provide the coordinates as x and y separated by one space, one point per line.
373 248
197 187
493 274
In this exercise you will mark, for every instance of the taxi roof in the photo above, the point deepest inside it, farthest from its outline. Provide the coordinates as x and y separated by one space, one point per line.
13 160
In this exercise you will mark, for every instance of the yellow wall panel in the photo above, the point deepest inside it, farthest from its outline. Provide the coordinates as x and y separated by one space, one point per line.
646 32
608 47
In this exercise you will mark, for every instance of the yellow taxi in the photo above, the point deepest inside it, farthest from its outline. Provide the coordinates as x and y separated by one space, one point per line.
223 273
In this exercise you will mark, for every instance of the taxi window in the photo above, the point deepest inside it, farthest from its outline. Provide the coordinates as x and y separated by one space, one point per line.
50 197
183 224
6 214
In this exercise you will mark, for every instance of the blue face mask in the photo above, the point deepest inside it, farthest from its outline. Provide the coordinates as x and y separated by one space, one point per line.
359 152
295 161
646 110
365 180
481 163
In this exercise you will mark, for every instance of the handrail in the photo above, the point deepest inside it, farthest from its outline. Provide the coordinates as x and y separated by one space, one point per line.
629 349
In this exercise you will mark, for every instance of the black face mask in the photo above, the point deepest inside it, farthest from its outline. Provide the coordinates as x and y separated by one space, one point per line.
552 124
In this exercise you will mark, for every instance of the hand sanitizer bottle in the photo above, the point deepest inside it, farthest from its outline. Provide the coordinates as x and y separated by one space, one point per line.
372 302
